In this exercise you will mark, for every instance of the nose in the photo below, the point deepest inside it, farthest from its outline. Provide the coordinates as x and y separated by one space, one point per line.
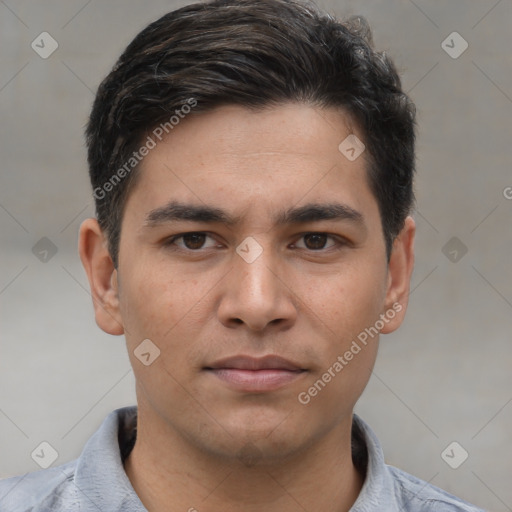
257 294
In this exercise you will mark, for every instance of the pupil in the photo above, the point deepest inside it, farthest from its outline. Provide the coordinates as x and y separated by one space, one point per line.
194 240
318 241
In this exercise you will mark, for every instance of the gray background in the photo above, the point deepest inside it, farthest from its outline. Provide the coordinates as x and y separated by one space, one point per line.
444 376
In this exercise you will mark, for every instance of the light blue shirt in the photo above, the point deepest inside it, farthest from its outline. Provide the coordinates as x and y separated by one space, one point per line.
97 482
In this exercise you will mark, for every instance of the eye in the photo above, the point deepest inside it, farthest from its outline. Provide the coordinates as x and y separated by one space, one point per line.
190 241
317 241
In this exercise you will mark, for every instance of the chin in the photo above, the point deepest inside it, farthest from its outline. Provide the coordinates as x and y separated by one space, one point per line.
264 444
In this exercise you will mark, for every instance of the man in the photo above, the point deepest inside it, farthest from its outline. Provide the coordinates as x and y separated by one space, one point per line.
252 165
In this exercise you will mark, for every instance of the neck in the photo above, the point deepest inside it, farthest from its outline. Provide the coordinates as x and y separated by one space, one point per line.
168 473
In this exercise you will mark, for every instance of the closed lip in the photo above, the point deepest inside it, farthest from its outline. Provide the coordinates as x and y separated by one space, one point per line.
243 362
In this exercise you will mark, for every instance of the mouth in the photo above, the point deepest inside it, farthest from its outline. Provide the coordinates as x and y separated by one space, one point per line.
250 374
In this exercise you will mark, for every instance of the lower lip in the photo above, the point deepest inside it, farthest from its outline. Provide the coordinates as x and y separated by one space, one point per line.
256 380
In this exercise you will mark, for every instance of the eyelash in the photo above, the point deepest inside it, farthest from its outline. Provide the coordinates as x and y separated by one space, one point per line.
170 242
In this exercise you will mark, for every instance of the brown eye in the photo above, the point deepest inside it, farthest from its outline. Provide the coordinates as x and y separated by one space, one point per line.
194 240
315 241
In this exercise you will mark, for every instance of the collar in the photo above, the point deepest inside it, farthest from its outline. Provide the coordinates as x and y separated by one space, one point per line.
100 476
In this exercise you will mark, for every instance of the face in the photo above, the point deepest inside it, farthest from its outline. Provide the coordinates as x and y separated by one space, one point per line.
252 256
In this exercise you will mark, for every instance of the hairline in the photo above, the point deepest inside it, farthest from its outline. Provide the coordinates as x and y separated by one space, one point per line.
350 120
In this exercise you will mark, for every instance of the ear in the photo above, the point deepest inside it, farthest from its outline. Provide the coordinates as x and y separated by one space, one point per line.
102 275
400 268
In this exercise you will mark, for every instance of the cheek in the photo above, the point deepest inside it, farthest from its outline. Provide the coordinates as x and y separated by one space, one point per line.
152 300
170 316
345 302
171 309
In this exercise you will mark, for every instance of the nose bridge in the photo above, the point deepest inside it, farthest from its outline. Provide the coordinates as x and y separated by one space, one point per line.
256 277
252 267
255 295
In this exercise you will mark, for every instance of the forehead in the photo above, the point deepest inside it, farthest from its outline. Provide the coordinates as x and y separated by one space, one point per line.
255 161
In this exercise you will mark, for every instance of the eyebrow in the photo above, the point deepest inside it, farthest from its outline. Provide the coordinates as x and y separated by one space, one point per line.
312 212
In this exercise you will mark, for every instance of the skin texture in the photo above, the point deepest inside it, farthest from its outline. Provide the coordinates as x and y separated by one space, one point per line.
201 443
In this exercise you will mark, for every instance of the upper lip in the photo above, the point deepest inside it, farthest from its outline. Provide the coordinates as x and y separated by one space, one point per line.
270 362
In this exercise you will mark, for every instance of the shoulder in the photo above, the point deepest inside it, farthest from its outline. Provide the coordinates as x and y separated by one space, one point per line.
420 496
389 488
40 491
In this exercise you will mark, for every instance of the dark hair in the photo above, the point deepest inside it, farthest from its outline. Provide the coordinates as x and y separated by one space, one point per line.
255 53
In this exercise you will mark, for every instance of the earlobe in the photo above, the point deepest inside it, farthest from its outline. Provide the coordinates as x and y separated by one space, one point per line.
400 269
102 275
